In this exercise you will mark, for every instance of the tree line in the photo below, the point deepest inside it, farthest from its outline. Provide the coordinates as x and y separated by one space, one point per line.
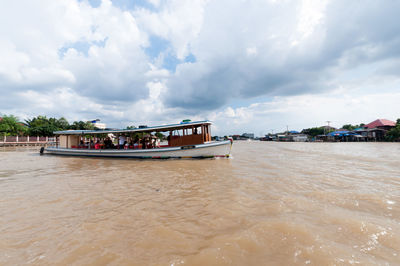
38 126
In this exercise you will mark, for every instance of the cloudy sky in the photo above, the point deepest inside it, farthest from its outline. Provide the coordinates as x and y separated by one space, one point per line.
248 65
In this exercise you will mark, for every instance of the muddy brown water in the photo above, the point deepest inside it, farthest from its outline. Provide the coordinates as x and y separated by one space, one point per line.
271 204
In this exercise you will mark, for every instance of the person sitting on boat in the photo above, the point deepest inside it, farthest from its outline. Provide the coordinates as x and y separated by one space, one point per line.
144 143
157 143
122 141
97 145
130 143
148 142
108 143
136 142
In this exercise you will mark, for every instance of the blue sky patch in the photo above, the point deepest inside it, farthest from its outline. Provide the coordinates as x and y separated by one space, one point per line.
93 3
159 45
124 4
81 46
170 62
132 4
190 58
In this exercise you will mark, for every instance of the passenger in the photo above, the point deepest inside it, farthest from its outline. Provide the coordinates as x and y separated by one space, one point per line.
143 143
157 143
136 145
108 143
122 141
97 145
131 143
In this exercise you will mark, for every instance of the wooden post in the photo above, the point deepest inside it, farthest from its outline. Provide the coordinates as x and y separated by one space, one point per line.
27 139
16 139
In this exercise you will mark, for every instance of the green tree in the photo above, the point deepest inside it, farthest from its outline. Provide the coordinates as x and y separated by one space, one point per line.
40 126
43 126
394 133
352 127
80 125
349 127
314 131
62 123
10 126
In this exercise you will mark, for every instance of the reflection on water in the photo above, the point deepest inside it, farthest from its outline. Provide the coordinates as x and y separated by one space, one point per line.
274 203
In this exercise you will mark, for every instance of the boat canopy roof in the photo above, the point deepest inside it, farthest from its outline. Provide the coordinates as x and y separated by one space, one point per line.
170 127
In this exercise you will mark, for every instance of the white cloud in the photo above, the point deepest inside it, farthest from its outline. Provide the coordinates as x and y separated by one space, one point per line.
63 102
32 47
178 22
310 17
251 51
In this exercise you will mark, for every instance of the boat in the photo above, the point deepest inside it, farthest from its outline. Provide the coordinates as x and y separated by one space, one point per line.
184 140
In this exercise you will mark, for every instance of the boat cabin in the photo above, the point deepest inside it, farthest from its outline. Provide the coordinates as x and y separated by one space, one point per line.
185 133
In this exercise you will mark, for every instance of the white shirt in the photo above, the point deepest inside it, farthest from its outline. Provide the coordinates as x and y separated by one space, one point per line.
122 140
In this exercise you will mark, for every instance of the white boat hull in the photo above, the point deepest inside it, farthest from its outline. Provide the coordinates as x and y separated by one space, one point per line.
206 150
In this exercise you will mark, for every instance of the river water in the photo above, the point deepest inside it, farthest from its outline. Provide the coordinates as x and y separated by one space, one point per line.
271 204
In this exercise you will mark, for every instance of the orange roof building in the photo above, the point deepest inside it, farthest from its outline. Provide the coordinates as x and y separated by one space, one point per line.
380 123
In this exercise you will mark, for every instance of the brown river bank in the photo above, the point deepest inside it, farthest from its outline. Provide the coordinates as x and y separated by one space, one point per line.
271 204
